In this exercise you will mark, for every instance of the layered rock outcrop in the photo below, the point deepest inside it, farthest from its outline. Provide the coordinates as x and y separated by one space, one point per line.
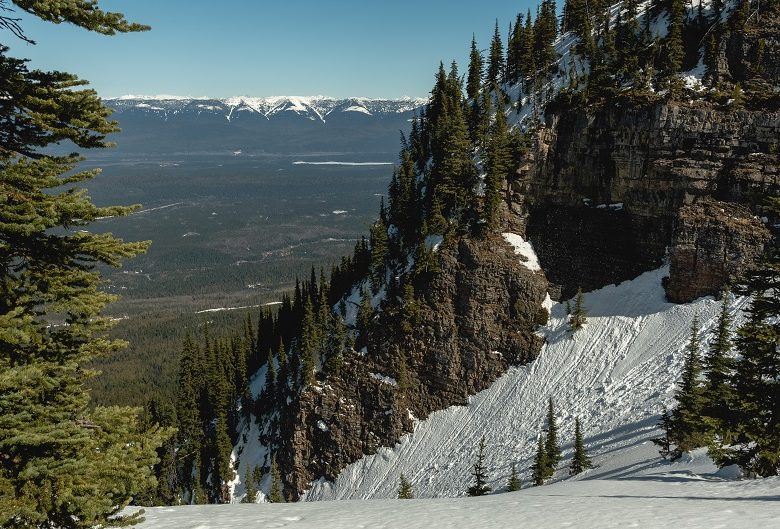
605 186
714 243
477 318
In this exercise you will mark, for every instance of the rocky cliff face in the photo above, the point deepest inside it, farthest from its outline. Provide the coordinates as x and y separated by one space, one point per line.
713 243
605 187
477 318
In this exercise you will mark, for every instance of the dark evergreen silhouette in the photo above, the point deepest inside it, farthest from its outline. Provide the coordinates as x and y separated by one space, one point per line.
514 482
495 70
688 429
664 442
578 316
275 495
540 466
552 448
480 486
580 461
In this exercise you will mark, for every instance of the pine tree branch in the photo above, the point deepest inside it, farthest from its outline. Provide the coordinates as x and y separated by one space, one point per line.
12 24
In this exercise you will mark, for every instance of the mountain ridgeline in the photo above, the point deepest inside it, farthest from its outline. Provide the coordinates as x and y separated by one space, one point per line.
260 126
612 139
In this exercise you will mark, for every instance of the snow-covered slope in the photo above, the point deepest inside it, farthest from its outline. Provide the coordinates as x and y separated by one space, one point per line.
615 375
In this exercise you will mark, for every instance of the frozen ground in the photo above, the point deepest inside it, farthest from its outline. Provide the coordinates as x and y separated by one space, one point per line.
616 374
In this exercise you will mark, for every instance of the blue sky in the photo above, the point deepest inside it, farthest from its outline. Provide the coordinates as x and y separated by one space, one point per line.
370 48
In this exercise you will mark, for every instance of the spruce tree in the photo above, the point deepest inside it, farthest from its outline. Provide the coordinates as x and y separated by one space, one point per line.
480 486
63 463
405 491
688 428
495 70
665 441
514 482
308 344
526 56
270 373
499 159
364 315
545 32
580 461
578 316
754 429
475 72
710 59
275 495
717 366
251 488
540 465
335 342
283 377
379 251
674 47
552 448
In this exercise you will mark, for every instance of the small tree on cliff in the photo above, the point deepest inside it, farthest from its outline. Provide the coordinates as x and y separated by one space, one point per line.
578 316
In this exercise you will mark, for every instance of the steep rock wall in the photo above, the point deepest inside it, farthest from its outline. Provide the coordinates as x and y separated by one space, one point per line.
614 179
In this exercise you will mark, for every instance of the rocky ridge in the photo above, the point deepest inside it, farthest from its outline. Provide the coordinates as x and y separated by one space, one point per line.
478 318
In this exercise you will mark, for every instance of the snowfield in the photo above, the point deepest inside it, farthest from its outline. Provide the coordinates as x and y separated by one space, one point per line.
615 375
649 504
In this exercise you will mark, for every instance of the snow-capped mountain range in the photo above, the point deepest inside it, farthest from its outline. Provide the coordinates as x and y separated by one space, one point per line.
315 108
285 125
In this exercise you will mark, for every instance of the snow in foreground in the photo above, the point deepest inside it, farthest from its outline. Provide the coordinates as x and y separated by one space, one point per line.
628 502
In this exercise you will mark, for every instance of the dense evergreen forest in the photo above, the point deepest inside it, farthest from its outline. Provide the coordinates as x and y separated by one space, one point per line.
452 175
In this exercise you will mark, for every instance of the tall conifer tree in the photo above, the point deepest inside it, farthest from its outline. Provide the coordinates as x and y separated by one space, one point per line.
475 72
499 159
495 71
62 463
540 465
580 462
552 448
688 429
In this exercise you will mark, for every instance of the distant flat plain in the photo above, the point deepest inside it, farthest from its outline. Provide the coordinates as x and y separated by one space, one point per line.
228 230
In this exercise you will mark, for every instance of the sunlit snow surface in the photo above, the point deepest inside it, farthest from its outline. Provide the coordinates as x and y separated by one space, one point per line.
524 249
616 374
644 503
